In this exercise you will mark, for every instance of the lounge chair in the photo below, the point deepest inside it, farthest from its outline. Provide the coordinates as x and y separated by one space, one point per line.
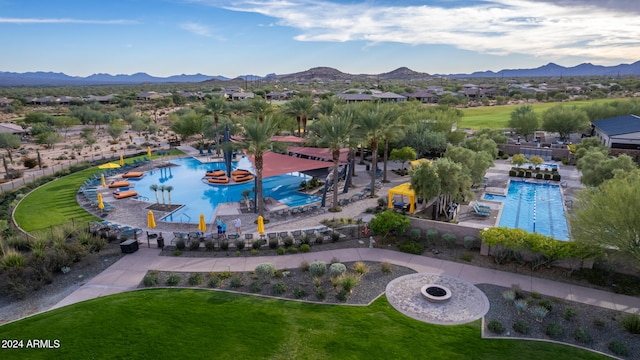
476 203
482 212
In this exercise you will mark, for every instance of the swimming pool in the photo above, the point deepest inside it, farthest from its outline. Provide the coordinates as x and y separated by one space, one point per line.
533 207
201 198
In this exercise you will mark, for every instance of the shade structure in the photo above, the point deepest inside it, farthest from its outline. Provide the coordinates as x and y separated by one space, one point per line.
277 164
151 221
100 203
149 151
260 225
109 166
102 181
202 226
404 190
121 160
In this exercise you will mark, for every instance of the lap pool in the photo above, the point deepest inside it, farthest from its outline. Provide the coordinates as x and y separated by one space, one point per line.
533 207
201 198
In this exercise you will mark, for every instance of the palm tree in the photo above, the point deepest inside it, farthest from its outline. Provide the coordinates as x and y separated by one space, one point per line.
154 187
260 108
333 131
301 108
371 127
218 107
256 142
162 188
169 188
393 131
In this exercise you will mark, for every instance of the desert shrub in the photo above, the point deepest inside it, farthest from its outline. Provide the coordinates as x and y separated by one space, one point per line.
12 260
307 239
334 260
411 247
321 294
581 335
599 324
631 323
304 265
254 252
449 240
273 244
194 245
235 282
224 245
239 244
386 267
569 313
176 252
536 295
521 305
431 236
292 250
471 243
173 280
415 234
305 248
337 269
96 244
509 295
255 287
280 251
180 244
150 280
618 348
195 279
335 236
256 244
225 274
209 245
214 282
521 327
554 330
288 242
342 295
360 268
349 281
495 326
466 257
279 288
319 239
539 312
546 304
318 268
299 292
265 271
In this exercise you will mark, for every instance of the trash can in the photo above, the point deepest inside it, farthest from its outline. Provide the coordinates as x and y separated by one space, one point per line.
160 242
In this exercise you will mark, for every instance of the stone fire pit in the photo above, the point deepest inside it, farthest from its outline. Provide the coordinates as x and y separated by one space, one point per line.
435 293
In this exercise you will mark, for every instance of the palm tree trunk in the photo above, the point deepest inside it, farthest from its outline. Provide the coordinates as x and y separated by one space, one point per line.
374 166
385 158
336 163
259 199
217 136
304 125
298 121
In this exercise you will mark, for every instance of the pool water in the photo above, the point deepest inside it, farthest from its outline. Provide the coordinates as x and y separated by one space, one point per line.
202 198
535 208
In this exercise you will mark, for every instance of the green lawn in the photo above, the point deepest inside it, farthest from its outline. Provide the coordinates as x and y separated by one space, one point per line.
54 203
200 324
497 117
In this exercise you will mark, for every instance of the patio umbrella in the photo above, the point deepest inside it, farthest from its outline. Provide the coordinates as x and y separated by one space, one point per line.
149 151
202 226
109 166
228 153
260 225
121 160
151 221
103 182
100 203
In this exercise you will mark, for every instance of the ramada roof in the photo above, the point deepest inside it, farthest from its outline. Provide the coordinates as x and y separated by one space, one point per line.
619 125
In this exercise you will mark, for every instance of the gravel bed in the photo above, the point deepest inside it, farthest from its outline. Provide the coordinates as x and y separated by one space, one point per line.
602 325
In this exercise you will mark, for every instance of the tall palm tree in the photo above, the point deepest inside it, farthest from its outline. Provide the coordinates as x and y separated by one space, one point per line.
371 125
301 108
256 142
393 131
154 187
169 188
218 107
162 188
260 108
334 132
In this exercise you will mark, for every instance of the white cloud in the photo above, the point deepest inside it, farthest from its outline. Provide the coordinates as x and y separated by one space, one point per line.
63 21
541 29
197 29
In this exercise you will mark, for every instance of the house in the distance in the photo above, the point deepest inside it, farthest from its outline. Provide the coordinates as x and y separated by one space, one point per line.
621 132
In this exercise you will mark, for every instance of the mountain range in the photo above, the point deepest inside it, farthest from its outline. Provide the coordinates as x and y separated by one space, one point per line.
315 74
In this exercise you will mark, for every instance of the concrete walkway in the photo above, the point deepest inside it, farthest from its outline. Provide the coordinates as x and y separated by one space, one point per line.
127 273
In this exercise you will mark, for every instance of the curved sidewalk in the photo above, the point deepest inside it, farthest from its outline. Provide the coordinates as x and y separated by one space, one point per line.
127 273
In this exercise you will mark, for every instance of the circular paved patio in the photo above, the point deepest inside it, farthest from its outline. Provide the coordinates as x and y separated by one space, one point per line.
467 302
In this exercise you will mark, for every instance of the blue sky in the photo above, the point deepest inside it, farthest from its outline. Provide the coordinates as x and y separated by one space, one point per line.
231 38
